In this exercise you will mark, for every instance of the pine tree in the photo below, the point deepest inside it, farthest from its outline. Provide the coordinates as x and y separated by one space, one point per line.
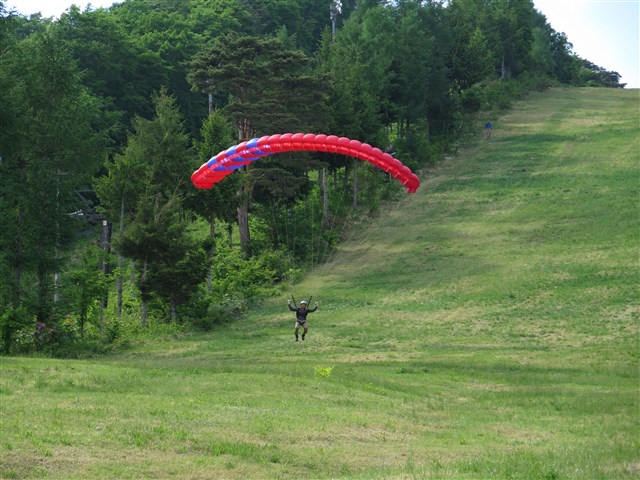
54 149
221 201
269 89
151 178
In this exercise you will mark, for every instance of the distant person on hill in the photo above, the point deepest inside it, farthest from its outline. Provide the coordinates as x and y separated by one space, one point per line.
488 127
301 317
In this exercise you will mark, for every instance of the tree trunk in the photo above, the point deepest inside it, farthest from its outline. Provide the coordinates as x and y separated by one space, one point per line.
212 250
174 310
56 283
244 133
105 245
274 233
345 179
243 224
120 263
143 295
19 252
505 72
119 285
56 275
83 319
323 182
17 266
355 182
43 295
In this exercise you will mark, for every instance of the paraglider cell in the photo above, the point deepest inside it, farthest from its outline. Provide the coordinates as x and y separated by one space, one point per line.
297 142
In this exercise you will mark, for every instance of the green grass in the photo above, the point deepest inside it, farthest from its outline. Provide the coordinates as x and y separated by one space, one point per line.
485 328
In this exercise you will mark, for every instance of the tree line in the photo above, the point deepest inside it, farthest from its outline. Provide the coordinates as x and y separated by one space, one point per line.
106 112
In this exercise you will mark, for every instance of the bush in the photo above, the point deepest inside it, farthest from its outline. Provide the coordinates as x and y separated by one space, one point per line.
236 283
229 308
23 342
498 95
471 99
14 325
248 278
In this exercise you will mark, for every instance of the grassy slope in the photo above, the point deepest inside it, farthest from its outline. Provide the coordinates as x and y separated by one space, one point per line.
486 327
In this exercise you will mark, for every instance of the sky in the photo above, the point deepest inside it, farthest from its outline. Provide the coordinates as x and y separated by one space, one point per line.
605 32
53 8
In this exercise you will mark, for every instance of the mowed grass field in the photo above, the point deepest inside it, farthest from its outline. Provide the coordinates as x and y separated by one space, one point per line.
486 327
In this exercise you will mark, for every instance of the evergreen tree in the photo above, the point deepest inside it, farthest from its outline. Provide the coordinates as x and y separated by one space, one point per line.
421 82
151 178
268 89
13 121
118 192
221 201
54 150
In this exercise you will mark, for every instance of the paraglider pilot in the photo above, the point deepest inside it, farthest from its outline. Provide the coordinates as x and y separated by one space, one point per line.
488 127
301 317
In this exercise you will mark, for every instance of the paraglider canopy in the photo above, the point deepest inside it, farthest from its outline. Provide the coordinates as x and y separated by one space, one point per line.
235 157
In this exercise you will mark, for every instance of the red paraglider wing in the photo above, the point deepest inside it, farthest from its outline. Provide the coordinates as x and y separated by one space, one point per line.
227 161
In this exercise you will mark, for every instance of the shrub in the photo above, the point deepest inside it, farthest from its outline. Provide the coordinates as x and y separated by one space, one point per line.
248 278
14 325
471 99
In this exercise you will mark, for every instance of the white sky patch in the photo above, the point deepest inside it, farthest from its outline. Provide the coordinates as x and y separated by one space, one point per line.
605 32
54 8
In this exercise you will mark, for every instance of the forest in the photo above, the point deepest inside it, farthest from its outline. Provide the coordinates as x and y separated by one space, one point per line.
105 113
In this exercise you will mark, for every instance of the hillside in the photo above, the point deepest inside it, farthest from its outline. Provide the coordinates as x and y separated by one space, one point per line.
485 327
